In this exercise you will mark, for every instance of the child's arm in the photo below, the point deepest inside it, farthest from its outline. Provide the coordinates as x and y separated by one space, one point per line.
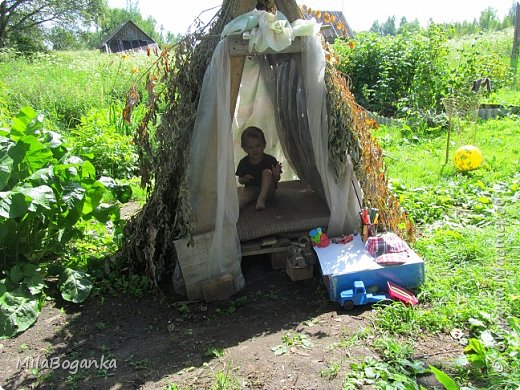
277 171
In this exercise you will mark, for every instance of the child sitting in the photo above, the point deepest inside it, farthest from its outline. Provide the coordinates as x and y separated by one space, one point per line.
258 172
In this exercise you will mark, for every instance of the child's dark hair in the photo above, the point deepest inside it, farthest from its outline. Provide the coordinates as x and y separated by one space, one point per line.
252 132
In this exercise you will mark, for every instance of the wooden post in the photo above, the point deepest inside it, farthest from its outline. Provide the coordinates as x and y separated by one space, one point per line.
290 9
516 39
237 63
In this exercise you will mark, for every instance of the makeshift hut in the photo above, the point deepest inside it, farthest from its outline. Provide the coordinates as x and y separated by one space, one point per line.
278 79
127 37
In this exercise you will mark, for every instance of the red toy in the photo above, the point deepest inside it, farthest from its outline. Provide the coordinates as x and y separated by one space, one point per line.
401 294
343 239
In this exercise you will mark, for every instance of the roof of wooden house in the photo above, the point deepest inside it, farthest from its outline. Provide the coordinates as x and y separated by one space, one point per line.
332 31
127 37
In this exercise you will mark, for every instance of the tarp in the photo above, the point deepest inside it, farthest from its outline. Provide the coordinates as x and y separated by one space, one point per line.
285 97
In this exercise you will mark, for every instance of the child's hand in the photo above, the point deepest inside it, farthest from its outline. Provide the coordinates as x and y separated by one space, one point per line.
277 170
246 179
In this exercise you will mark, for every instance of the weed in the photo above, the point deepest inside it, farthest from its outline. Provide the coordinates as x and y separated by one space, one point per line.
383 375
290 341
214 352
42 376
348 340
332 370
73 379
140 364
23 347
225 381
392 350
235 304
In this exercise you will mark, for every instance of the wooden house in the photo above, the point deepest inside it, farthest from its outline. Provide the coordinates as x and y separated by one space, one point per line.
127 37
331 32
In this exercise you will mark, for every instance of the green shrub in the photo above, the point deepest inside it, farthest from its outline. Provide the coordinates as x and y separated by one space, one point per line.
103 136
45 191
407 75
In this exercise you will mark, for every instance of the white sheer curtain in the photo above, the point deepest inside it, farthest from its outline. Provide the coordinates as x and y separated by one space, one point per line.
213 157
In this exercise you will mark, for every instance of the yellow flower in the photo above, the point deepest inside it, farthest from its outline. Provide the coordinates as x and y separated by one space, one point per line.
135 70
351 44
340 26
318 14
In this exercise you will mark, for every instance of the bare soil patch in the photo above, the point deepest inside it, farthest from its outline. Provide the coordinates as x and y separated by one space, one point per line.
156 341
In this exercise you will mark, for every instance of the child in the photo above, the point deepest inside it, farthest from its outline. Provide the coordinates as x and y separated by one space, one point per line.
258 171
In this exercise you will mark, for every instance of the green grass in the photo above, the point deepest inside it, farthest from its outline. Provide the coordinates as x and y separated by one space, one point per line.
66 85
469 237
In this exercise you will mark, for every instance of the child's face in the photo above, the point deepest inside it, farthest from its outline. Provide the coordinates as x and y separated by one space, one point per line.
254 147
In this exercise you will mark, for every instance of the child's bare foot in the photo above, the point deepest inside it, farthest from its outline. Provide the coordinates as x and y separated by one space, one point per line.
260 205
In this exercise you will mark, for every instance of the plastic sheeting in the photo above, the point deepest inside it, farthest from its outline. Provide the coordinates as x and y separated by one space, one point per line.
265 30
286 98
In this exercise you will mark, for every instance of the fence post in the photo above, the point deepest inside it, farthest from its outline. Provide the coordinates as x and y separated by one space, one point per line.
516 39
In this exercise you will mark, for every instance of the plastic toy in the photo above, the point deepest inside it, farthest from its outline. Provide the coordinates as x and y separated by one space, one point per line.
343 239
401 294
359 296
319 238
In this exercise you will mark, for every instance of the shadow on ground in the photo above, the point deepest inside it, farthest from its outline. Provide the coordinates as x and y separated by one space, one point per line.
153 342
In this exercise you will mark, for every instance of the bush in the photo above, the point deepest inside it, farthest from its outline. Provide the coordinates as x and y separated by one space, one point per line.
410 73
45 191
103 137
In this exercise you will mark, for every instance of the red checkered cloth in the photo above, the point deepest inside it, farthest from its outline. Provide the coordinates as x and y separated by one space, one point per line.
392 258
385 243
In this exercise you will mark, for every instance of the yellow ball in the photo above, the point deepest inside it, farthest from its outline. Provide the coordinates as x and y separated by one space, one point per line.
467 158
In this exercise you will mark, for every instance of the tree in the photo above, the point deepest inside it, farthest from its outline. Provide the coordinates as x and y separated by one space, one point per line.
488 19
388 27
376 27
22 19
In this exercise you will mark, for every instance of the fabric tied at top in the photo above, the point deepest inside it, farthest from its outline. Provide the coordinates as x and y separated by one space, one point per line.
264 30
386 243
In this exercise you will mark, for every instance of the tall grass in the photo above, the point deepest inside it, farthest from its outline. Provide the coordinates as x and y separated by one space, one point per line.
65 85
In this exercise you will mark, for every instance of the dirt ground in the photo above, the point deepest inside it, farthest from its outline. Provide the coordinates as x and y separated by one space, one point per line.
152 342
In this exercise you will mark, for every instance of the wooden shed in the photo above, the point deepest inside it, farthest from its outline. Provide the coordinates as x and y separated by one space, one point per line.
127 37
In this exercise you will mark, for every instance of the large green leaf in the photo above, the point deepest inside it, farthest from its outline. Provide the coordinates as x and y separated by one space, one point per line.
444 379
74 285
52 139
105 212
93 196
18 311
21 123
16 274
34 283
7 229
73 194
38 155
41 196
42 176
123 192
13 204
6 167
87 170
